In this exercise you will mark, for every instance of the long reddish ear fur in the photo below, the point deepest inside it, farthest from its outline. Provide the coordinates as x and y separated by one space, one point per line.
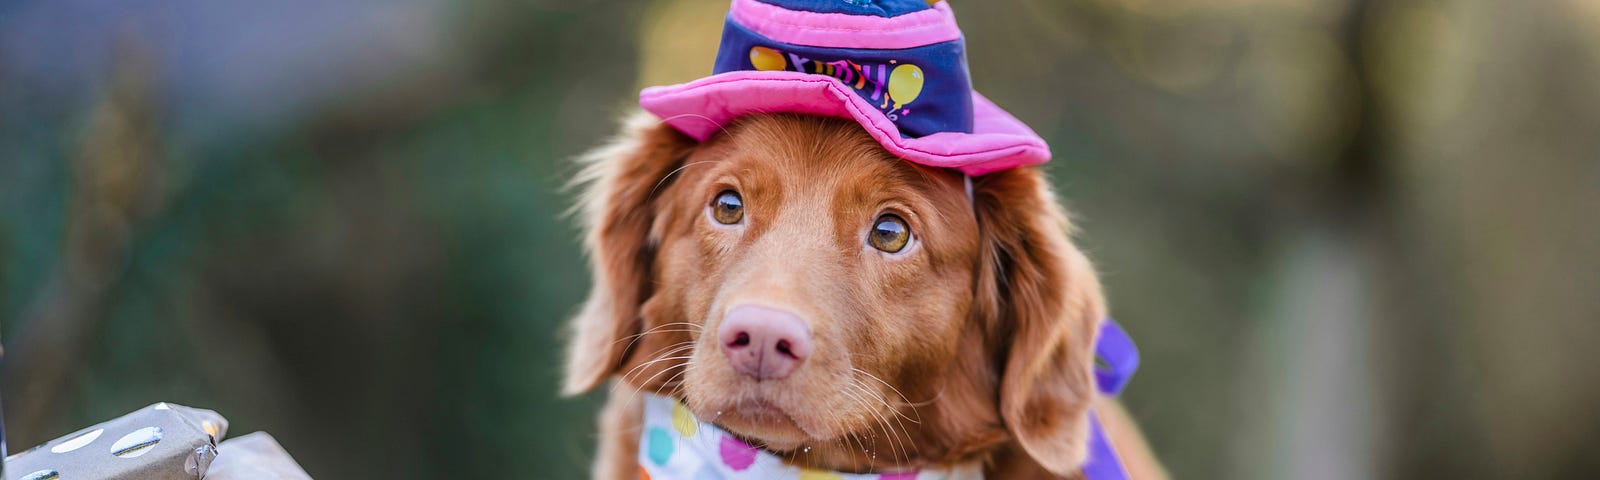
1043 299
618 184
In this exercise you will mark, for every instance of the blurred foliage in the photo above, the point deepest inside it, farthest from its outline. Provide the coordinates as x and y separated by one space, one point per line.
1354 238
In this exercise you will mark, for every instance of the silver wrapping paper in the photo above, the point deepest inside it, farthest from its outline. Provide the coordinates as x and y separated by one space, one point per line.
158 442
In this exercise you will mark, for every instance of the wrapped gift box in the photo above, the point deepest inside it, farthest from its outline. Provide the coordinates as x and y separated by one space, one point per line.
159 442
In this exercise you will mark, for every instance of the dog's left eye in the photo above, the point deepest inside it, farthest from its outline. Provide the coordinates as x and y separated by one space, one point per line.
889 234
727 208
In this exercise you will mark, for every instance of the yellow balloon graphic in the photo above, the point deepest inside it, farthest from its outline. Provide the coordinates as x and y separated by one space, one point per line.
766 59
905 83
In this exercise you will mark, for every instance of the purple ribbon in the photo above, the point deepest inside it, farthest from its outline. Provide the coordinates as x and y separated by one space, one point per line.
1118 360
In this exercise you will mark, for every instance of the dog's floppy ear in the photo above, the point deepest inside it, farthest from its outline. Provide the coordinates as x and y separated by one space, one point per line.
1043 304
619 183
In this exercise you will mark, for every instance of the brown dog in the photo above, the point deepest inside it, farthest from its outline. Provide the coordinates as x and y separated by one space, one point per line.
794 283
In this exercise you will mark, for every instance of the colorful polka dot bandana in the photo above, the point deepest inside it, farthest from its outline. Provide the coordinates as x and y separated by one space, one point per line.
675 445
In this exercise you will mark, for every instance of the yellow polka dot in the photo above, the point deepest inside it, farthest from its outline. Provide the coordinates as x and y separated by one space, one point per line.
809 474
683 420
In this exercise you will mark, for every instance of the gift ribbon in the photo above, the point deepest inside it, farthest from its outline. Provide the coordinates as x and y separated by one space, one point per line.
1118 360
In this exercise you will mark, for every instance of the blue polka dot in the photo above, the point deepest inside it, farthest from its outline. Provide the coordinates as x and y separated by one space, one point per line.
660 445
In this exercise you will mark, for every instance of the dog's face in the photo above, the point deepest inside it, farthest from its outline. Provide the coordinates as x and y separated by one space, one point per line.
817 271
799 286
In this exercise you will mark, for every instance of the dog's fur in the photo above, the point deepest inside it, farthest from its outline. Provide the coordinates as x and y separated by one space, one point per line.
974 342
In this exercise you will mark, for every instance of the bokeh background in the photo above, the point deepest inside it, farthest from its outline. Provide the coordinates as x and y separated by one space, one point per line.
1355 238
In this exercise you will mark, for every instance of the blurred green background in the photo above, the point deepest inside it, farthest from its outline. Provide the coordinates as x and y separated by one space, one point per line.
1355 239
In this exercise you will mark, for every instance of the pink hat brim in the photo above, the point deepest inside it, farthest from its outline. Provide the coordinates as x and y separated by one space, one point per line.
700 108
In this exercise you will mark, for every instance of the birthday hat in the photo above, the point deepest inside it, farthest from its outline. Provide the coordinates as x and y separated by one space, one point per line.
897 67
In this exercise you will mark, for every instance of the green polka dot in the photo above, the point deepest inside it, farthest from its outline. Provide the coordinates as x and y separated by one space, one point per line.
660 447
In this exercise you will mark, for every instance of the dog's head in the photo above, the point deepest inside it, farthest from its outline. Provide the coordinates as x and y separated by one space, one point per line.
799 286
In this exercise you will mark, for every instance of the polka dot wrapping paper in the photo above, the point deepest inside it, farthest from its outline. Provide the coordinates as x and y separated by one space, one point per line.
674 445
159 442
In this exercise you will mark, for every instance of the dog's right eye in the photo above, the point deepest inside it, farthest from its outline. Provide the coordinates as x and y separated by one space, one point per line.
727 208
889 234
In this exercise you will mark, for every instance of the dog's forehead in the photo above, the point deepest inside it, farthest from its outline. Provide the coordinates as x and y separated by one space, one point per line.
826 166
809 142
813 152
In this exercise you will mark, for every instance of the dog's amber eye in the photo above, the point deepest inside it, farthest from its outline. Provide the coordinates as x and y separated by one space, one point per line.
727 208
889 234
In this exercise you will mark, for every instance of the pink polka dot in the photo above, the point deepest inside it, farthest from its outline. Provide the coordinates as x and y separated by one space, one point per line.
735 454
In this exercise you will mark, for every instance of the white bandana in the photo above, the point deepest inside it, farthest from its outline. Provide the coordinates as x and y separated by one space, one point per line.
674 445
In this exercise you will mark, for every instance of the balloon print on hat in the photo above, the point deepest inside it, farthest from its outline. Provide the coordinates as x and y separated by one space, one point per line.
905 84
766 59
